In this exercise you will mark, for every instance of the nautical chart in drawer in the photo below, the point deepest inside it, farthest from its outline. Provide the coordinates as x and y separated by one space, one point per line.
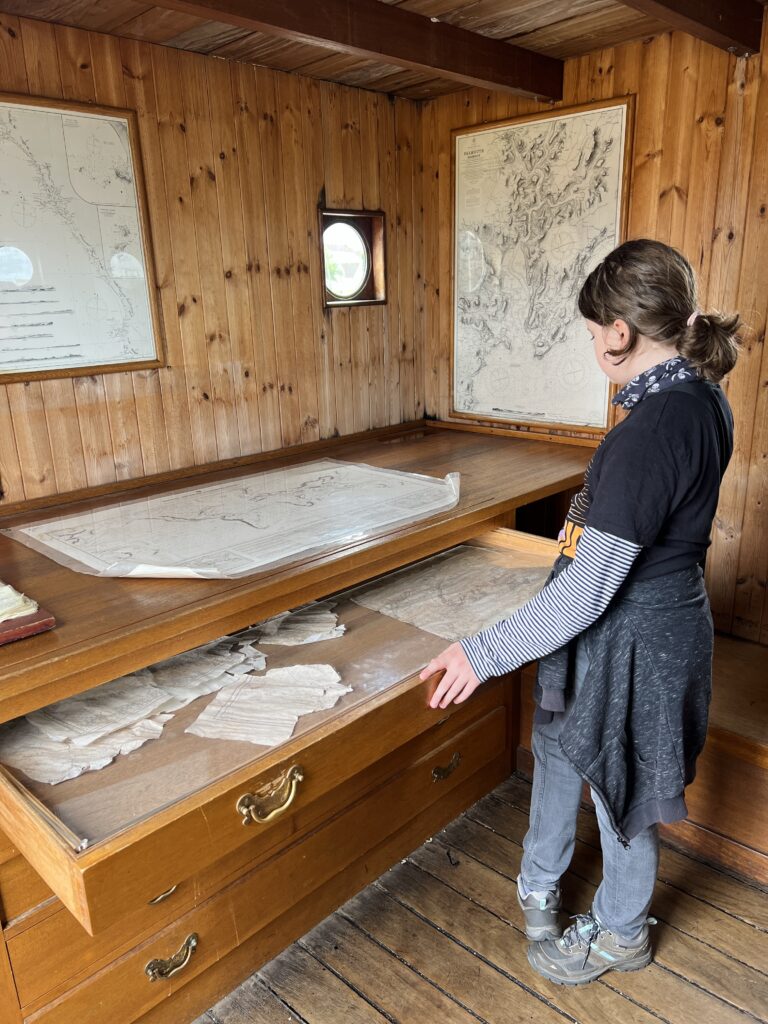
109 840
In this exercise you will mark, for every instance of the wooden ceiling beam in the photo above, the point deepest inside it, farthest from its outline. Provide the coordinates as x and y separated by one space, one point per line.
367 28
733 25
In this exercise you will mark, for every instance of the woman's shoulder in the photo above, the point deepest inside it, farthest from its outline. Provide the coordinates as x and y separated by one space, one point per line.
679 410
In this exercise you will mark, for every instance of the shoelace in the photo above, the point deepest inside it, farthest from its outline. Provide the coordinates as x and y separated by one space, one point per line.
581 934
584 932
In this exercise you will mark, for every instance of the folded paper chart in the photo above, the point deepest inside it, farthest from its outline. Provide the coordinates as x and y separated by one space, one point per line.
86 732
265 709
307 625
454 594
24 747
242 525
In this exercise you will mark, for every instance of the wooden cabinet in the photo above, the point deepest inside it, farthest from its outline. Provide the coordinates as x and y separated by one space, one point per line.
44 956
150 859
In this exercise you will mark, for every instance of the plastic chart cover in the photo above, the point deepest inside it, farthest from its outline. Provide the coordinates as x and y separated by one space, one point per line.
240 526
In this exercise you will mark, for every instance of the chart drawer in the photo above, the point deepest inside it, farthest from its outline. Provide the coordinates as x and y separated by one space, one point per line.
68 950
111 841
206 934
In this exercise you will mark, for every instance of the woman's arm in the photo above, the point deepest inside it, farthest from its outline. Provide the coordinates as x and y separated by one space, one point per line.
565 607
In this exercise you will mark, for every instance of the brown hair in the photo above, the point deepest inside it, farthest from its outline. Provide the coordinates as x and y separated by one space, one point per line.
652 287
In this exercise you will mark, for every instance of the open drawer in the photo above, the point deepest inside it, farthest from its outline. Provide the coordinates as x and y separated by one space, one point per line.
109 842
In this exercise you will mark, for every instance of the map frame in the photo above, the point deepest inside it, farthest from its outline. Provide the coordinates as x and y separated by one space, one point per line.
154 305
545 425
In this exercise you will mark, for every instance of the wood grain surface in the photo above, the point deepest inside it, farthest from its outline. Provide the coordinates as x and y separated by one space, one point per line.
107 627
699 182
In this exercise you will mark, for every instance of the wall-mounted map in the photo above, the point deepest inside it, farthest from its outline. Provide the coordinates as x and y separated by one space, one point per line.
77 290
538 203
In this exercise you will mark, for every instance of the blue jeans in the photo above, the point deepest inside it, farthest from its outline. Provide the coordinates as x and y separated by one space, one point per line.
629 874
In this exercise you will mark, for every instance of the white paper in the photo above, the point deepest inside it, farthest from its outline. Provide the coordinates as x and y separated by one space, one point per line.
24 747
92 715
167 686
307 625
14 605
242 525
454 594
86 732
265 709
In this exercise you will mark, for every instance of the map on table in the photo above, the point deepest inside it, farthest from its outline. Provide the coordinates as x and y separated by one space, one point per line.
538 204
73 279
243 525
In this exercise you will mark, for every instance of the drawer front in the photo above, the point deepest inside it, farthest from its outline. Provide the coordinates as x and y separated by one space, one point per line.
258 898
21 889
103 884
6 849
49 949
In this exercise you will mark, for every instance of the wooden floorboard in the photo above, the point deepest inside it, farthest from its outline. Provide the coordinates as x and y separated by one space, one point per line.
439 937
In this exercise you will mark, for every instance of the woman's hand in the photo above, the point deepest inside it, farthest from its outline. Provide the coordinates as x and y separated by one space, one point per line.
459 681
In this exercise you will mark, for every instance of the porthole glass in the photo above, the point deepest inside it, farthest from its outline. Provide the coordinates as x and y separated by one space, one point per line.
15 266
347 260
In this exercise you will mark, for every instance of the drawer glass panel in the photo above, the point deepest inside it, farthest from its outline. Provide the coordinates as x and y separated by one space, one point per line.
376 652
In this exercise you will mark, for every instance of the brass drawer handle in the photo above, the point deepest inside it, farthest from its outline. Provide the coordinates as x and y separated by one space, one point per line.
164 895
439 773
157 970
256 808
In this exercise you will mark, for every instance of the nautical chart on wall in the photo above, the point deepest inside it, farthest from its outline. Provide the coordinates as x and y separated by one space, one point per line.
538 202
77 288
242 525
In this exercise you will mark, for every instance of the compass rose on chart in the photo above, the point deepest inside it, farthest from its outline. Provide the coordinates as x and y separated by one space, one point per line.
572 373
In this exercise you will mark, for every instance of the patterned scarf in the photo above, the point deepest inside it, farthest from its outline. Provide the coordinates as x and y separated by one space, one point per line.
658 378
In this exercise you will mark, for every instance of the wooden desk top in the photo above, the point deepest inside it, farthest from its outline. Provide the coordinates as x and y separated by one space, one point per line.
110 626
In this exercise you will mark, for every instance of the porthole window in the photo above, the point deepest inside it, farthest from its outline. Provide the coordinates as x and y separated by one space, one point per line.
347 260
353 257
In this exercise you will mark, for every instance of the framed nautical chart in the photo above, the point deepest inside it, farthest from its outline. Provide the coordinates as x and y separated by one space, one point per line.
538 202
78 293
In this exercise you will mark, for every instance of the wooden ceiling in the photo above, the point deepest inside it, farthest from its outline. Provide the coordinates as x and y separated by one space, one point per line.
557 28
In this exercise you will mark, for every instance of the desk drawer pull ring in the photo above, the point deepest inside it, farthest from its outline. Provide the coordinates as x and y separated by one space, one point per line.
164 895
157 970
439 773
257 808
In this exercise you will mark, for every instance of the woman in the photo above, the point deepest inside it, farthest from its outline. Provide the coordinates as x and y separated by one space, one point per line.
622 628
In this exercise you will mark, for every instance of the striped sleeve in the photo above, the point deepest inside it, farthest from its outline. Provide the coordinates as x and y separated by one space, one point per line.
565 607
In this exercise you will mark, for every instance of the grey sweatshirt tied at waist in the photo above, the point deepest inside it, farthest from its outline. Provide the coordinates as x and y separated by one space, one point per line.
640 721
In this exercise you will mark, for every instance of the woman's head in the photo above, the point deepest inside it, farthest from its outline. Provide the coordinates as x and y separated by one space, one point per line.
640 304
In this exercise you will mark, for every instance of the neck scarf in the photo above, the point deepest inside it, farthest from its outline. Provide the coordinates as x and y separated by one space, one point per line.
651 382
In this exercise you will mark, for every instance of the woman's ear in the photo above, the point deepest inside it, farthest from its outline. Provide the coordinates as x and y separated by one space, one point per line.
622 329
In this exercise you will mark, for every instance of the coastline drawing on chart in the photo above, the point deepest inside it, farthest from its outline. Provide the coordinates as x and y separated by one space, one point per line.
242 525
73 280
538 205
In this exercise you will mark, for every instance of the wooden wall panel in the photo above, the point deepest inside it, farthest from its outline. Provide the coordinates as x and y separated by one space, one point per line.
236 159
699 182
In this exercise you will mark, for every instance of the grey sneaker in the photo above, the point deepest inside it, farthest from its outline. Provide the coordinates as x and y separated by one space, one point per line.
541 911
587 950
